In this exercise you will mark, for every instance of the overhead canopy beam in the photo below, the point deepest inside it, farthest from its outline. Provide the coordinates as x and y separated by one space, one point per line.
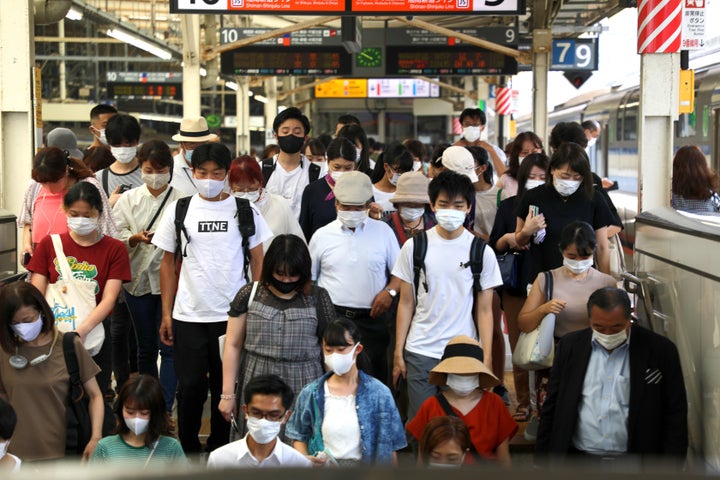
521 57
313 22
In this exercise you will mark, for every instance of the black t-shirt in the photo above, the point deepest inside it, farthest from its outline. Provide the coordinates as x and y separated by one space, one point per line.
560 211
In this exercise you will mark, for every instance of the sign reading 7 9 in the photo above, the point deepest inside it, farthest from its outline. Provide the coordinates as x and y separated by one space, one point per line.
575 54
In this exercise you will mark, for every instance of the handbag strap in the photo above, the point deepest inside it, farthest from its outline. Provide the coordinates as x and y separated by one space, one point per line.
447 408
159 210
155 444
548 286
62 259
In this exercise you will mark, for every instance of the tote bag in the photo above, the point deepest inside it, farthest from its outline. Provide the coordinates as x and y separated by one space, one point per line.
72 301
535 350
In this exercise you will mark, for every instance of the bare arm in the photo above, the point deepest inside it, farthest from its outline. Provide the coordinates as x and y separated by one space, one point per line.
103 309
27 240
503 454
602 254
235 338
97 415
536 307
168 286
405 312
383 300
484 316
256 262
40 282
525 229
498 164
302 448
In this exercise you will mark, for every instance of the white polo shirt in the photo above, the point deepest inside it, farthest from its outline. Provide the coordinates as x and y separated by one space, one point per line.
290 185
182 176
353 266
237 454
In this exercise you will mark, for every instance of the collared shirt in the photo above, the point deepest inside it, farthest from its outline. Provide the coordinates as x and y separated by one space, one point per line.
182 176
237 454
603 410
132 213
352 265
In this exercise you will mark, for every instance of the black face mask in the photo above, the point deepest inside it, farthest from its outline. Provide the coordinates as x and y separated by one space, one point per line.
290 143
283 287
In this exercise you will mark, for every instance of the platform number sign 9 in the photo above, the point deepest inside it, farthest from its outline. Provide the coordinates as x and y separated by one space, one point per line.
575 54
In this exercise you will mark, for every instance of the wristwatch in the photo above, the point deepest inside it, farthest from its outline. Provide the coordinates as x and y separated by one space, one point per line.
393 293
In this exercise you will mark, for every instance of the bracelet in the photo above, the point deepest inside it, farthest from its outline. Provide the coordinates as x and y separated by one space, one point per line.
228 397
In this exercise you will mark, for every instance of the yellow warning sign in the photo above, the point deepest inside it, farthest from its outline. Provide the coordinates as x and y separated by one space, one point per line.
342 88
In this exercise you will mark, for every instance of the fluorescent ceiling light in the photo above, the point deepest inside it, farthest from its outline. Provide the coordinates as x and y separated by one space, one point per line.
139 43
261 98
73 14
159 118
231 85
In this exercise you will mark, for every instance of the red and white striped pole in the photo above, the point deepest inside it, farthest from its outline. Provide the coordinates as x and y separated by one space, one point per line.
503 101
659 26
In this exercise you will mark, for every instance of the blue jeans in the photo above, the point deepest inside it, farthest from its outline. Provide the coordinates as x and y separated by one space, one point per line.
146 313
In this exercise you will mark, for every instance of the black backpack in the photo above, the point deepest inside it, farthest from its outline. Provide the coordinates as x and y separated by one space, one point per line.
477 249
246 223
268 167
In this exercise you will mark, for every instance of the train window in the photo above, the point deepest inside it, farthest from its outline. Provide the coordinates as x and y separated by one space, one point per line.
630 121
685 125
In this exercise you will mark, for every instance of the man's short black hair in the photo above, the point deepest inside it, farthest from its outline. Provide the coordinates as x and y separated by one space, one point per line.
216 152
122 128
473 113
567 132
8 420
453 184
348 120
102 109
609 298
591 125
287 114
268 385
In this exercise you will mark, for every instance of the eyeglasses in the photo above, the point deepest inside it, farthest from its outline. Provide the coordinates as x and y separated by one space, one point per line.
273 416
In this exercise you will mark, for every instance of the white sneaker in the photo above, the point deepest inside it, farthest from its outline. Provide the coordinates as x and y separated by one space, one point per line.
531 429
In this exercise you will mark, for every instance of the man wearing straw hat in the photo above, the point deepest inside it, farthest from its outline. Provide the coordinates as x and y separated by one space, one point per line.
193 133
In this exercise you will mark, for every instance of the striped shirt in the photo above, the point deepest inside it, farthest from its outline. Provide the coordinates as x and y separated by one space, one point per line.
114 449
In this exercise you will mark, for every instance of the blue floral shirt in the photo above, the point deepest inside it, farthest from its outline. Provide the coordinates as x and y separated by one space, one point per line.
381 430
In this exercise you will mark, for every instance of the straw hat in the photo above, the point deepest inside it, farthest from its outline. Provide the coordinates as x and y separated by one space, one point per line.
460 160
194 129
462 356
411 188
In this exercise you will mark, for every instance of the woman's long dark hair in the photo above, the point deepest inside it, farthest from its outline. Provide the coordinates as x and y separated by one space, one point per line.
288 254
143 392
574 156
691 176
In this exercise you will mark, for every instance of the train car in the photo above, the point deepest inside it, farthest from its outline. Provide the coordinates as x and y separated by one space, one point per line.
615 155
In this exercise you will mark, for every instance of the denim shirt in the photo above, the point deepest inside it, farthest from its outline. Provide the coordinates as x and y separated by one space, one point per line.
381 430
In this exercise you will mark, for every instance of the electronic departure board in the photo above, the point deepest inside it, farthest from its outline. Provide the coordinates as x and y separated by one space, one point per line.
455 60
144 90
287 61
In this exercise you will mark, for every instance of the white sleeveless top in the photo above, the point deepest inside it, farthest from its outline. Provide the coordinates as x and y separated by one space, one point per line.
340 427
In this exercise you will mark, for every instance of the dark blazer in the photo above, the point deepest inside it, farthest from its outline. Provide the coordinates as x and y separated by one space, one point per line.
657 417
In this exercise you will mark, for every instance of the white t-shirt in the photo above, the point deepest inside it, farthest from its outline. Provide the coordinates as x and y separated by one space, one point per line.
352 266
212 271
290 185
383 199
279 217
485 209
445 309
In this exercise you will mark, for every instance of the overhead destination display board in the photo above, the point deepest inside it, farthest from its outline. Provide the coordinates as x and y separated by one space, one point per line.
351 7
435 60
144 85
401 88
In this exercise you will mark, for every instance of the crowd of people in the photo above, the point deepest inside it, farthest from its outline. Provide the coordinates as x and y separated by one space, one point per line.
341 302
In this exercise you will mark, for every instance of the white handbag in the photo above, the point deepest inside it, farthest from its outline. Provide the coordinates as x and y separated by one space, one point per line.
72 301
536 350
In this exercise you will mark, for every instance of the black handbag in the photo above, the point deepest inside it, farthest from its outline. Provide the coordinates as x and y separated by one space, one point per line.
509 263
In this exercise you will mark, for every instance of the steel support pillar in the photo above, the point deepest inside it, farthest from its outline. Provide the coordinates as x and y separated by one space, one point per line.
242 100
190 27
271 108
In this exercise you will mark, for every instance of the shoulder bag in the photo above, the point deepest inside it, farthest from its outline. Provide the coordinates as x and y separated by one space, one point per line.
536 350
72 301
222 338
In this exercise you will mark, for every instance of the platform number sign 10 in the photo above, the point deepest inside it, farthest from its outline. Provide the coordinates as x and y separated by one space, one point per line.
575 54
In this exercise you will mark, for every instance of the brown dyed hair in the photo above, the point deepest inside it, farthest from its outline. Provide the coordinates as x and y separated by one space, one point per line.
440 430
98 158
51 164
143 392
245 169
13 297
315 145
691 176
515 149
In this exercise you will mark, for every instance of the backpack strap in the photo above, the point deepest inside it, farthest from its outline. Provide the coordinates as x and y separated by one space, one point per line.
420 242
181 209
313 172
268 167
477 250
76 391
105 181
246 223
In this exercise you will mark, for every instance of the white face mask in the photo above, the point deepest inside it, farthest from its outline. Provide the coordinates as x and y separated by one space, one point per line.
471 134
336 175
578 266
208 187
262 430
462 384
249 196
137 425
82 225
322 165
351 219
520 160
156 180
447 465
591 142
450 219
530 184
28 331
188 155
101 136
341 363
394 179
411 214
417 165
124 154
358 154
610 342
4 448
566 187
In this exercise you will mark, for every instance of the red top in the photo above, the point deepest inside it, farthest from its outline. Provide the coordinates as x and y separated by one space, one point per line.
489 422
107 259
